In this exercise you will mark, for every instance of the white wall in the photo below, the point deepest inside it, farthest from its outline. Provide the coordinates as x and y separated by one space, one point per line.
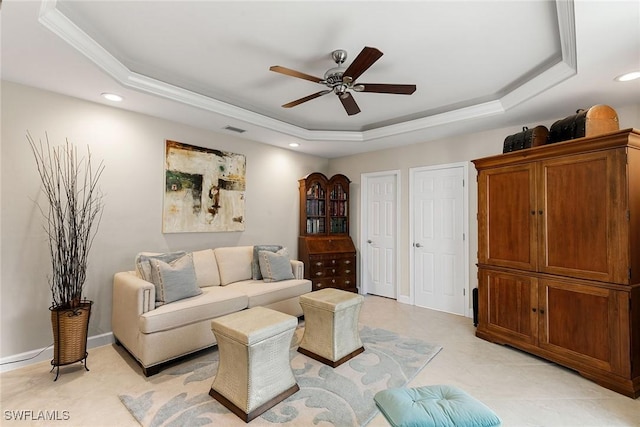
132 147
443 151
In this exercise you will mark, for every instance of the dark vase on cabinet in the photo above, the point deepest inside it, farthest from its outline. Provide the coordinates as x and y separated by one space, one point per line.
559 255
324 245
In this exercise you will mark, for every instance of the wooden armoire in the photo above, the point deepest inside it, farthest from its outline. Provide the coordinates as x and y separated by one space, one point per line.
559 255
324 245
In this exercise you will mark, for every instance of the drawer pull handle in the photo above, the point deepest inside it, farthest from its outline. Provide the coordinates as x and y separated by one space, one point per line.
319 264
347 271
319 273
348 261
347 282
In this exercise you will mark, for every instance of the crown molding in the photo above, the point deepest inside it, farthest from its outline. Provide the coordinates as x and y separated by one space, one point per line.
68 31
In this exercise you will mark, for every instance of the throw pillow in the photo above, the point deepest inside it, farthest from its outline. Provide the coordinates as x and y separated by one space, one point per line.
143 262
275 266
234 263
206 267
174 281
256 274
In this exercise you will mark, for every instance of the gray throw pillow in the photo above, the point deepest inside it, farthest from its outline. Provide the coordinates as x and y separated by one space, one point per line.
174 281
143 262
275 266
256 274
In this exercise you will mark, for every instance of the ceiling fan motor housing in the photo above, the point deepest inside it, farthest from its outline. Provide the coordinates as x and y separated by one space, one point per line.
333 76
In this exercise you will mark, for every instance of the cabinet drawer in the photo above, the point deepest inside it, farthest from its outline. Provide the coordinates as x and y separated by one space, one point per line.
334 282
338 262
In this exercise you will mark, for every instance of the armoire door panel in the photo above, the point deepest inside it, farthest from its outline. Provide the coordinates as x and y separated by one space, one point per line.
509 301
506 217
580 217
578 321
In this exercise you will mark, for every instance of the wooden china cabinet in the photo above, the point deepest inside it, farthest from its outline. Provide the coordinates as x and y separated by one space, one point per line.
559 255
324 244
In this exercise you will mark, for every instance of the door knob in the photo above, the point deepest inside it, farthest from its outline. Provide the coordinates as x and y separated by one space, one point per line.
369 241
418 245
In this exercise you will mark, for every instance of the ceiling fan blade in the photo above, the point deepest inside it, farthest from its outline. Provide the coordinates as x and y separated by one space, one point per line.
349 103
306 98
386 88
294 73
363 61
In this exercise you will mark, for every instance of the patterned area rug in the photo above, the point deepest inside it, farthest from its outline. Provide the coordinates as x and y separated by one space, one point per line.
179 396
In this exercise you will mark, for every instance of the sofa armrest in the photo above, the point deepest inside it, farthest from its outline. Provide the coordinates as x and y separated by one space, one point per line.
127 287
132 296
298 269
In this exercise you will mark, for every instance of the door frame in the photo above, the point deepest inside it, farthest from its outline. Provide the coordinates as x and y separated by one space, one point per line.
465 228
364 218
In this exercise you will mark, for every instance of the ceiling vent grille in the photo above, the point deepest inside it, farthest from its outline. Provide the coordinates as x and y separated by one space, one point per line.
234 129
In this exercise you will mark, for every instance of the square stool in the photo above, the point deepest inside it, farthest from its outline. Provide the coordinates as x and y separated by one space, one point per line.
254 372
434 406
331 326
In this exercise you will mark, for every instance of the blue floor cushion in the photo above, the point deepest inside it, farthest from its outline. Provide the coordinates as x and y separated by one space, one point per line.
434 405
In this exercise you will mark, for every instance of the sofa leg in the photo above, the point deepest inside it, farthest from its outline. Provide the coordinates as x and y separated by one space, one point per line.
151 370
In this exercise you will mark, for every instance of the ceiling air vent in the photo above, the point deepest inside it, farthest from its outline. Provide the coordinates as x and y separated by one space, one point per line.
232 129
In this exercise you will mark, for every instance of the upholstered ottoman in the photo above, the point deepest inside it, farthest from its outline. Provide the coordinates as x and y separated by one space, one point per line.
331 326
435 405
254 372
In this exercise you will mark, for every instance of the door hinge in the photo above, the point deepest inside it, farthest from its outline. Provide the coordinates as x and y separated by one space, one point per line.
464 292
628 215
629 273
464 237
463 182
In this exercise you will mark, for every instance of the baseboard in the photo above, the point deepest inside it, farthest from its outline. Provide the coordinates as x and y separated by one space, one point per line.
16 361
404 299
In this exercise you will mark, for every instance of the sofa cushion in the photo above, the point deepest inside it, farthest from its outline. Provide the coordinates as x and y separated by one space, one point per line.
234 263
213 302
143 263
275 266
207 273
262 294
174 281
256 274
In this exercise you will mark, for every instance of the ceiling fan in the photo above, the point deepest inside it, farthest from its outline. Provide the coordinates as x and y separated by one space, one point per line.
341 81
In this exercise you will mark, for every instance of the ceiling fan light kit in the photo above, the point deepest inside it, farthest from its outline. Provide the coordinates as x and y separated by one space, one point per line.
341 81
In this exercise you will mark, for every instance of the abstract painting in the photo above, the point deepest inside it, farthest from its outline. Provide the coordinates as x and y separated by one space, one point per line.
204 189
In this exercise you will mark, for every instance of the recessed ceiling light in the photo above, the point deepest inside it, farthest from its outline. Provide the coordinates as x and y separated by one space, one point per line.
628 76
294 144
112 97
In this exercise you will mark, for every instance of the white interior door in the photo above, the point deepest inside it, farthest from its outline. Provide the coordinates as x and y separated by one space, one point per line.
438 238
380 235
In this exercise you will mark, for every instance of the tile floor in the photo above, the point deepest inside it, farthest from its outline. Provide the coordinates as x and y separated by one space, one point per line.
522 389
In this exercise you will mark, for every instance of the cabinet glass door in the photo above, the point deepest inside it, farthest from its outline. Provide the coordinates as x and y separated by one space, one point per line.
316 209
338 205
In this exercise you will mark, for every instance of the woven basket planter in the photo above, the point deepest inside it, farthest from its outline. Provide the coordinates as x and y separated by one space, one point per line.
70 328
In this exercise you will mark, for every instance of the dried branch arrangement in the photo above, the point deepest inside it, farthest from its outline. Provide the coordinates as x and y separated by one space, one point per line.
72 217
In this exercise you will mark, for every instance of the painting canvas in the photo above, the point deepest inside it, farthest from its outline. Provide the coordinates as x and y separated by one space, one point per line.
204 189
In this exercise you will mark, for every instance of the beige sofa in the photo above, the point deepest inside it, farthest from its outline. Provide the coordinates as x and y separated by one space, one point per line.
155 334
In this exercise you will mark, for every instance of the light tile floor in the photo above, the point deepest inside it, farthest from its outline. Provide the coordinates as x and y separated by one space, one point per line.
522 389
